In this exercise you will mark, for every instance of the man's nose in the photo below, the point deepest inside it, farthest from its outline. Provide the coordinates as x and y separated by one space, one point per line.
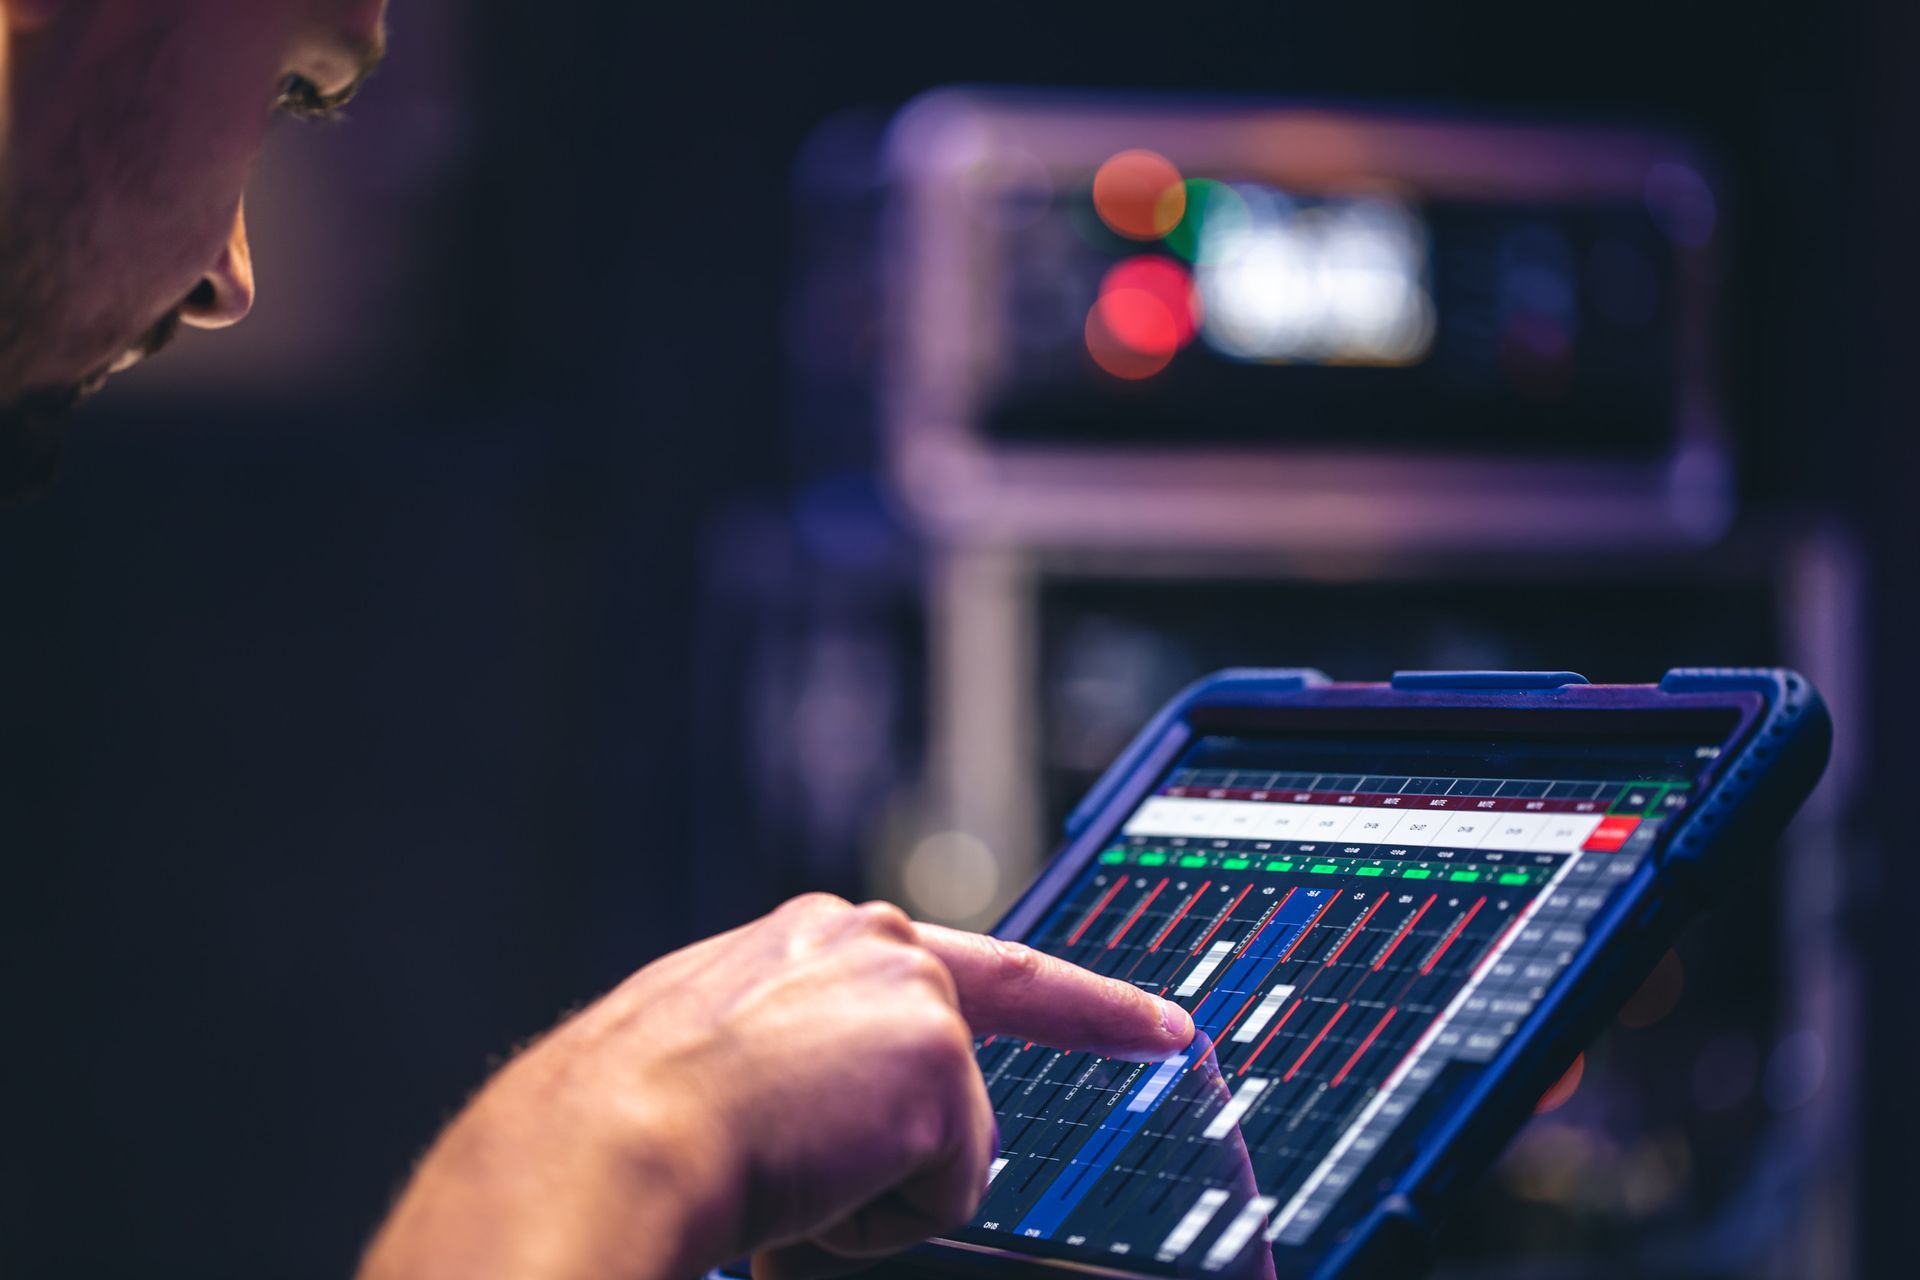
225 294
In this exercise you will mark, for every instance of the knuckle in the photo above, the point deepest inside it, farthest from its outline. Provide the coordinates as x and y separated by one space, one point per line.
961 1204
923 966
901 977
857 1237
813 905
935 1051
955 1199
944 1042
886 919
924 1133
907 965
1015 963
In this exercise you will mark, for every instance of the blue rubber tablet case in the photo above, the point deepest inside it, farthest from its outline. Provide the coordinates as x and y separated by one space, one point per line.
1396 912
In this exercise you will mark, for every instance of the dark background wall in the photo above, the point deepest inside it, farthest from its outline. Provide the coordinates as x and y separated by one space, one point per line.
347 676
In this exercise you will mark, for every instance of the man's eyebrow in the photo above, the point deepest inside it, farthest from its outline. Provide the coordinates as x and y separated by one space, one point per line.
366 55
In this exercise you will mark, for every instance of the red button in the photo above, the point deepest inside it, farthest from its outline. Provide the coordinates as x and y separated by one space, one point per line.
1610 835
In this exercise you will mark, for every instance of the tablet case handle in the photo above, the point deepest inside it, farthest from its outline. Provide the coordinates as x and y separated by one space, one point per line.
1762 785
1485 681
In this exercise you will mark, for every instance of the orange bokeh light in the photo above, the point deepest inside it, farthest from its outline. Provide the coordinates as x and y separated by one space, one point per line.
1657 996
1139 194
1563 1088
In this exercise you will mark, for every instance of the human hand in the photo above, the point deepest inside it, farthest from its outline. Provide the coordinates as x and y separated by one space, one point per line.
802 1087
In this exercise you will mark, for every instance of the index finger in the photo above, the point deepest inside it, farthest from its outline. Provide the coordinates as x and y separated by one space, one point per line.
1008 988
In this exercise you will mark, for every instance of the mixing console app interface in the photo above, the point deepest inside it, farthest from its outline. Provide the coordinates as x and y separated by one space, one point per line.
1357 929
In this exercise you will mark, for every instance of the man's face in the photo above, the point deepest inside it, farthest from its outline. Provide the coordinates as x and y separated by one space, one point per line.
127 133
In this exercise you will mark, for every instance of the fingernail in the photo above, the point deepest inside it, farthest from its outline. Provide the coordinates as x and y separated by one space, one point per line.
1177 1021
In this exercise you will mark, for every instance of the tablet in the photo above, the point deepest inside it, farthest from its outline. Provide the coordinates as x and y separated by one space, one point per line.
1396 911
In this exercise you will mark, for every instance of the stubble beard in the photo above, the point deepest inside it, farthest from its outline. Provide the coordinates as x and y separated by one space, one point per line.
34 415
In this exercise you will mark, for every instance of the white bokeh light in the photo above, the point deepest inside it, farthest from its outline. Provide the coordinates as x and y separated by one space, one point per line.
950 875
1338 282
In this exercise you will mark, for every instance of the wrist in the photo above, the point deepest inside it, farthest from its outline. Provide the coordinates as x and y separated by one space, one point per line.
679 1160
536 1179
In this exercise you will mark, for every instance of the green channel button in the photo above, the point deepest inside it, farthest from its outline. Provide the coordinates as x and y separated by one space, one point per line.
1193 860
1323 869
1372 871
1234 864
1114 855
1513 877
1153 859
1416 873
1279 866
1464 875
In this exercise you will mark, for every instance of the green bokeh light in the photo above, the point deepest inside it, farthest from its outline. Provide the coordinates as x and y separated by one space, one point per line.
1210 204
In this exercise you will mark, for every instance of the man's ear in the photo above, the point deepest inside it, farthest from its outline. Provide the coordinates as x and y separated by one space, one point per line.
31 15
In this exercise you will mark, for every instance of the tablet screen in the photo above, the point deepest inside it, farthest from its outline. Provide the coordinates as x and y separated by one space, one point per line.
1357 926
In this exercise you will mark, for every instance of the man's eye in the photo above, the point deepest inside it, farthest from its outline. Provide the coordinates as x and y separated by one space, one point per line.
302 98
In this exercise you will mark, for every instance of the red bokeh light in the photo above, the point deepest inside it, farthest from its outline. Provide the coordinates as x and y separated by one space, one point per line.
1139 320
1164 280
1118 357
1146 311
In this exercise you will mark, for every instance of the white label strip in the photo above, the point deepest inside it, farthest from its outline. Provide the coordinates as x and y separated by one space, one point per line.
1562 833
1467 830
1324 821
1188 1229
1216 954
1237 1106
1372 826
1515 830
1157 1082
1251 1217
1262 1015
993 1170
1457 828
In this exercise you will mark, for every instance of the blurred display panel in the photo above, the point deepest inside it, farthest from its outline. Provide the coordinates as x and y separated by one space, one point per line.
1212 307
1366 321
